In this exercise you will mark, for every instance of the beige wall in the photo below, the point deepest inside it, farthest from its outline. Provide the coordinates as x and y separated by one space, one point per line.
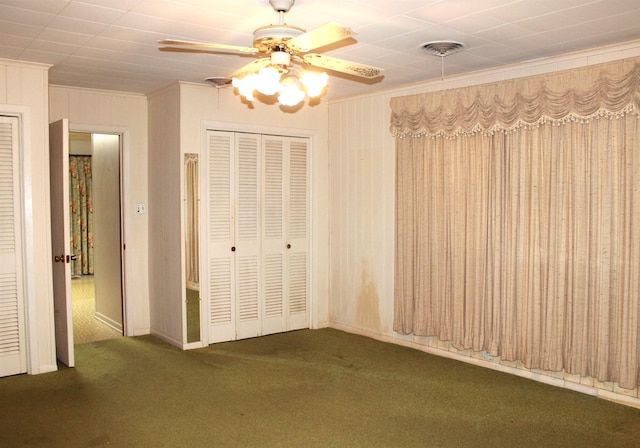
362 179
24 87
100 111
106 229
165 240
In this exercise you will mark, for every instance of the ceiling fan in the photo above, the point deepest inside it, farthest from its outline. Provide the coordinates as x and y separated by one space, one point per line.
277 47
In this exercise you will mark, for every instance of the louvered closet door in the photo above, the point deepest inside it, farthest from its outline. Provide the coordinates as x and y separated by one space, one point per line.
247 235
13 358
297 225
221 239
273 234
258 234
285 234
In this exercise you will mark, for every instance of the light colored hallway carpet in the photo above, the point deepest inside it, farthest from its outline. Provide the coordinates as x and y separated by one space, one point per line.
86 328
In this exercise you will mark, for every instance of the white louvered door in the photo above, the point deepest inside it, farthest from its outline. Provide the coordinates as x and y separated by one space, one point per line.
220 266
297 218
273 234
13 357
258 226
247 235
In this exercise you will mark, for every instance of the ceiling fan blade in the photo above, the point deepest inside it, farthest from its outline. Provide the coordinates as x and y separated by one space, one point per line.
319 37
190 50
252 67
203 46
340 65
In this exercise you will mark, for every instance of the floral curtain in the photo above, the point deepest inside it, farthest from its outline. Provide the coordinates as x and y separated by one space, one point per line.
81 214
518 219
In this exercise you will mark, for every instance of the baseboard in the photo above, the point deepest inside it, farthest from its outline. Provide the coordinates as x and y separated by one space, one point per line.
193 345
46 368
166 339
108 321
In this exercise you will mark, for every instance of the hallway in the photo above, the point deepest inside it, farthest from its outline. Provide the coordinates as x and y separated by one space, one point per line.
86 328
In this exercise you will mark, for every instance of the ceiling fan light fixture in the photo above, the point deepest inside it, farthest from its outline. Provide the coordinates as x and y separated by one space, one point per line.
286 82
276 48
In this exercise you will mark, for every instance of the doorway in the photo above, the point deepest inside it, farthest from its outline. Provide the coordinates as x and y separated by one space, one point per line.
95 221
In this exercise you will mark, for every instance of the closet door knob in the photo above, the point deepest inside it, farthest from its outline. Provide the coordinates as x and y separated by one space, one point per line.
288 246
233 248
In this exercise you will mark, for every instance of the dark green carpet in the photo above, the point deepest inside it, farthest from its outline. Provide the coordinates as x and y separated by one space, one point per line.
311 388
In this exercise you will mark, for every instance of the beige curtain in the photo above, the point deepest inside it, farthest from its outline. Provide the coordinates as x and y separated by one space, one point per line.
192 243
518 220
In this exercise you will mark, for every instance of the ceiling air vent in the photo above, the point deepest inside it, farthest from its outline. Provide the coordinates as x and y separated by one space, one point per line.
218 82
442 47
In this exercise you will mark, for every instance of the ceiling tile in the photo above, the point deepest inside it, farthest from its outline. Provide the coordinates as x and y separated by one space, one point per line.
91 13
520 10
10 52
475 23
393 27
25 16
10 29
49 6
441 12
64 37
76 25
122 5
504 32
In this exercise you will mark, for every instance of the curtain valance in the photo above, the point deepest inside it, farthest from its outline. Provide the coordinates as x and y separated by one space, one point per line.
605 90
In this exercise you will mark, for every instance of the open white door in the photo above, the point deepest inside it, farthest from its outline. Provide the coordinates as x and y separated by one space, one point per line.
61 239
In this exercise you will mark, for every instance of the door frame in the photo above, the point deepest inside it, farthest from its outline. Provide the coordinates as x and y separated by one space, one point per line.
34 365
60 239
123 133
313 244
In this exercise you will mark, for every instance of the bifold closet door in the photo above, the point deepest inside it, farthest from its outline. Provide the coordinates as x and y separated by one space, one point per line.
13 357
285 234
297 217
218 208
257 210
233 235
273 234
247 244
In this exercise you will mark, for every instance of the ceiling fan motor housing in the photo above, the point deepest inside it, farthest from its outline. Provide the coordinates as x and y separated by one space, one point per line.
282 5
269 38
280 58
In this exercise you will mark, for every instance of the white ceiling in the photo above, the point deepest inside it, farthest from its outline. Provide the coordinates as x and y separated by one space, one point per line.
112 44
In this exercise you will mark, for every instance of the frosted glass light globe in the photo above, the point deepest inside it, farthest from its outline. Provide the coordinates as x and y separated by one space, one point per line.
314 83
268 81
291 94
246 86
